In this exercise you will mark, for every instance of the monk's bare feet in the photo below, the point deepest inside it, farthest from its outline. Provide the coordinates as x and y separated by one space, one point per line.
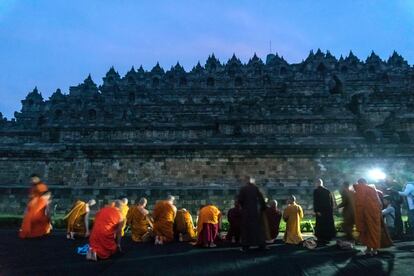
91 255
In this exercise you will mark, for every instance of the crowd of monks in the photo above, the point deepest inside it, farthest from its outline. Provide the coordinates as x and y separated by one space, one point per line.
253 221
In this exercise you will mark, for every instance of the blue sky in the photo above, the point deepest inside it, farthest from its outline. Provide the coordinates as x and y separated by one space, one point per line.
57 43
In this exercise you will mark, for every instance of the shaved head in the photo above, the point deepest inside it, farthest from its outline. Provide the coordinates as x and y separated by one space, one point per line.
118 203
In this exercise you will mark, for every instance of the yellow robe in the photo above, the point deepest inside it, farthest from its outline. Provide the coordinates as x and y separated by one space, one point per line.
164 216
293 215
76 218
138 222
208 214
124 212
184 225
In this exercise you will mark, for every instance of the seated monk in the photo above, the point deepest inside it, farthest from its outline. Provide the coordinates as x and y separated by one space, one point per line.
36 221
234 219
164 216
293 215
105 238
78 219
184 226
208 224
139 221
273 216
124 212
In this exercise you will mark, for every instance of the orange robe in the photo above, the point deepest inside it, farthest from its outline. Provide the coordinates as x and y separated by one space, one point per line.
208 214
102 239
293 214
37 190
35 221
368 215
184 225
164 215
76 218
138 222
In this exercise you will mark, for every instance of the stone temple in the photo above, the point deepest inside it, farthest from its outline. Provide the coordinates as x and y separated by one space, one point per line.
194 134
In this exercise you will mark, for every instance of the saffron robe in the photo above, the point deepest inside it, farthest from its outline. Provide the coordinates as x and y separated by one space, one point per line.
368 215
293 214
234 219
348 212
323 204
252 207
138 223
184 225
102 239
37 190
124 212
164 216
273 217
76 218
35 221
207 224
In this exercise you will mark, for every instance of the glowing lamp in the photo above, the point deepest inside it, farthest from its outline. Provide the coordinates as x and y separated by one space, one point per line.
376 174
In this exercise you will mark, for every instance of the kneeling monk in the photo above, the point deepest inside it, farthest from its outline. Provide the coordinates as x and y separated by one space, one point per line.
139 221
36 221
293 214
78 219
164 216
184 226
106 233
208 224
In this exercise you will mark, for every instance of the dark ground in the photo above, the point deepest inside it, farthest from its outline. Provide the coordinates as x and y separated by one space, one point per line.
55 255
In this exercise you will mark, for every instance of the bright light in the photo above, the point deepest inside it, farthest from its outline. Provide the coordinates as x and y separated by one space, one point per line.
376 174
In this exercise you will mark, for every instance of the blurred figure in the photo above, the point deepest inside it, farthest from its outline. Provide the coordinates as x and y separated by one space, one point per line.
348 211
323 204
252 207
36 220
139 221
293 214
234 218
392 188
389 216
409 194
208 225
78 219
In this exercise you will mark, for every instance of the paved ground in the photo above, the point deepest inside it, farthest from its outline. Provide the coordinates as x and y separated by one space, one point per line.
55 255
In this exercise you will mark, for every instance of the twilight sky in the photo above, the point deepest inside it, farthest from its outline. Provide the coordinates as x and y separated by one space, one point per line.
57 43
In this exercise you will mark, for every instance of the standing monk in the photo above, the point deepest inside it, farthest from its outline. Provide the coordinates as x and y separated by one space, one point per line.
208 224
323 207
164 216
234 219
273 216
78 219
184 226
348 211
106 234
139 221
36 221
368 216
293 214
252 207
